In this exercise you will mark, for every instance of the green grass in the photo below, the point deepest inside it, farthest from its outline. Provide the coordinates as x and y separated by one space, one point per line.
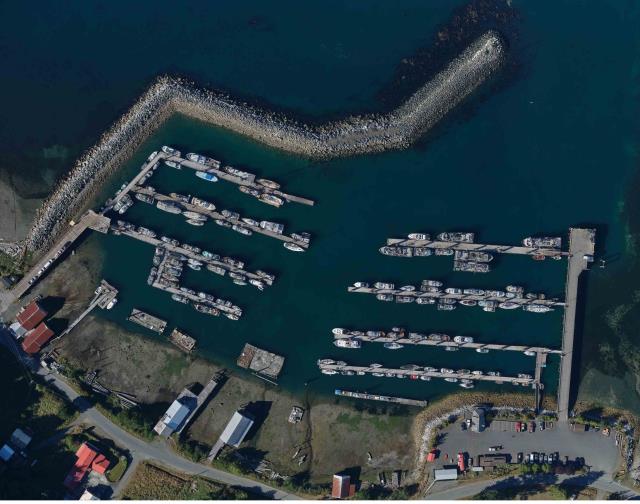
351 421
116 472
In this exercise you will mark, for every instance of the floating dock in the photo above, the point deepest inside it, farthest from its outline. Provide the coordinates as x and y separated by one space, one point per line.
152 323
260 361
416 374
458 297
479 247
215 215
182 340
423 340
383 398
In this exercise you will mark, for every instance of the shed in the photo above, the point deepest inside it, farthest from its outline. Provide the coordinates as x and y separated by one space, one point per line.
580 427
236 430
445 474
6 452
35 339
17 330
20 439
341 486
31 315
172 419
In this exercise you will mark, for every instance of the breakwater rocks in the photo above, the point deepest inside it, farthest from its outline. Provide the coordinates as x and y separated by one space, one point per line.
351 136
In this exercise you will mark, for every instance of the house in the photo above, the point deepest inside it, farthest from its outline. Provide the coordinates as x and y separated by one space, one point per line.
432 456
35 339
88 459
478 420
237 429
31 315
445 474
173 418
342 487
20 439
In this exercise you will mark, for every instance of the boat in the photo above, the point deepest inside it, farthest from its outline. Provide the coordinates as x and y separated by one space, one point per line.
194 215
473 292
425 301
438 337
453 290
361 285
347 373
507 305
537 308
515 289
329 371
384 297
396 251
195 222
237 276
529 353
293 247
432 283
543 242
379 375
242 230
180 299
209 177
173 164
422 251
493 373
195 267
482 350
384 285
524 376
471 266
451 380
250 221
152 155
171 241
268 276
425 378
463 339
238 173
339 330
408 288
375 334
347 343
233 262
223 223
249 190
405 299
274 227
256 283
144 198
416 336
325 361
410 367
270 199
477 373
390 375
467 385
419 236
538 257
303 237
443 252
468 302
146 231
496 293
202 203
112 303
458 237
196 158
375 365
218 270
171 151
446 307
195 262
232 316
446 371
473 255
268 183
392 345
181 197
230 214
209 310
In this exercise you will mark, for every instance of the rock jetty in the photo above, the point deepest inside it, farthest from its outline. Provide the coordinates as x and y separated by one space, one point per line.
354 135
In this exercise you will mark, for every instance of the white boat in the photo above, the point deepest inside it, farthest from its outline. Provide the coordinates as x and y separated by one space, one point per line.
326 361
477 373
242 230
268 183
451 349
432 283
446 371
482 350
361 285
425 301
171 151
152 155
271 199
194 215
463 339
209 177
195 222
112 303
256 283
347 343
392 345
202 203
537 308
453 290
329 371
508 305
250 221
529 353
293 247
425 378
384 285
408 288
173 164
451 380
467 385
339 330
375 365
419 236
196 158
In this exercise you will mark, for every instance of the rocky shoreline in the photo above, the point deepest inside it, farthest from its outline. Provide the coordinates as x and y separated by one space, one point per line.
351 136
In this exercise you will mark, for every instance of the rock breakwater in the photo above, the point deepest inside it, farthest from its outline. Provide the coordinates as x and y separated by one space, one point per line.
351 136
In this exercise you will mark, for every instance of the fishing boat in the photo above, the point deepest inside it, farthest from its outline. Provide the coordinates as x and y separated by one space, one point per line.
195 222
268 183
347 343
209 310
463 339
293 247
419 236
392 345
270 199
209 177
384 297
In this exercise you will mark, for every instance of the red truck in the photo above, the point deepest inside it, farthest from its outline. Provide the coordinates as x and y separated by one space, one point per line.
461 462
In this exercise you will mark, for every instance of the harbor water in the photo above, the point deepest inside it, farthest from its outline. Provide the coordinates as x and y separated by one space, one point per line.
550 144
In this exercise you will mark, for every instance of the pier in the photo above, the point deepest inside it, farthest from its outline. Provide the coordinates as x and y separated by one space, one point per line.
383 398
415 374
477 247
458 297
179 249
151 322
200 399
215 215
423 340
581 250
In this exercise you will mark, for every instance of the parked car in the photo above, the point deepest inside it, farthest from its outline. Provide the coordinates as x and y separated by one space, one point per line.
520 457
495 448
541 425
518 426
536 457
532 426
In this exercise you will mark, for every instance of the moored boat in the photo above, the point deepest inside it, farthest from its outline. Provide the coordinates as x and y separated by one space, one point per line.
268 183
293 247
459 237
209 177
463 339
392 345
384 297
347 343
195 222
419 236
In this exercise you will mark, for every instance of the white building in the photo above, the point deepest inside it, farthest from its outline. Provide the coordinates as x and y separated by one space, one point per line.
172 419
236 430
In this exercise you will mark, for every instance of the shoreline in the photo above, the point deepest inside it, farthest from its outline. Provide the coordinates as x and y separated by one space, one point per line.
351 136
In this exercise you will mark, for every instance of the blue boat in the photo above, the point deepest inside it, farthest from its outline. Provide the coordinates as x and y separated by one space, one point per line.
207 176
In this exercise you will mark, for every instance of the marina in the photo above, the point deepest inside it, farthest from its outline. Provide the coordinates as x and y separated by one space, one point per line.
383 398
148 321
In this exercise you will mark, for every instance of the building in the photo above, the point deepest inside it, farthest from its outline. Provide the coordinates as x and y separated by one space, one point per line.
27 319
35 339
20 439
445 474
478 420
87 495
6 453
173 419
342 487
88 459
237 429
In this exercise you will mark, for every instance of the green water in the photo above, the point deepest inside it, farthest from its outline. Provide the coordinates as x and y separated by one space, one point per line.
551 143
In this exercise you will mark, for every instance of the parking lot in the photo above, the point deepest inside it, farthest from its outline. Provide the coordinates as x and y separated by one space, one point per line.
599 452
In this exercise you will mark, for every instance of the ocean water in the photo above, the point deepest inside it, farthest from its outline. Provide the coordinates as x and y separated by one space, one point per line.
550 143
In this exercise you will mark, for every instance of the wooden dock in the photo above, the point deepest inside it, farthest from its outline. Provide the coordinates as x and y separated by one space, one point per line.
479 247
416 374
581 250
458 297
215 215
187 253
148 321
182 340
200 399
383 398
151 164
407 339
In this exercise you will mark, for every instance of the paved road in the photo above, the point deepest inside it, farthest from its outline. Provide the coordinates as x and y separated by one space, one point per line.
446 491
140 450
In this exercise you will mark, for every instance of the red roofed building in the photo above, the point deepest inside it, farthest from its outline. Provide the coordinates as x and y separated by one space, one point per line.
35 339
31 315
342 487
88 459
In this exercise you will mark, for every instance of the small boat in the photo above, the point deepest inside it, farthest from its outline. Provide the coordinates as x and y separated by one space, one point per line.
477 373
144 198
507 305
401 376
270 199
232 316
493 373
360 373
451 380
195 222
543 242
180 197
515 289
425 301
268 183
361 285
464 371
390 375
194 215
524 375
347 373
467 385
405 299
202 203
152 155
171 151
112 303
329 371
529 353
239 281
379 375
392 345
339 330
538 257
446 371
242 230
428 369
419 236
537 308
482 350
446 307
293 247
473 292
347 343
451 349
432 283
384 297
468 302
325 361
425 378
408 288
256 283
375 365
463 339
410 367
249 190
453 290
209 310
209 177
231 215
459 237
196 158
251 222
169 206
444 252
180 299
384 285
223 223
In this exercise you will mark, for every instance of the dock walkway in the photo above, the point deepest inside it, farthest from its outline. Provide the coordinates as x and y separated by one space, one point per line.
581 250
377 397
200 400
